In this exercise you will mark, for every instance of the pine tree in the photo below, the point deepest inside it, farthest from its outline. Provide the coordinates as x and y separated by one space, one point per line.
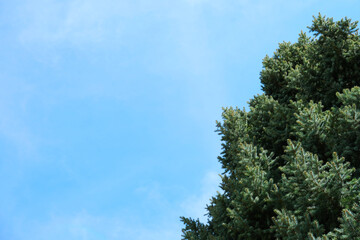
292 162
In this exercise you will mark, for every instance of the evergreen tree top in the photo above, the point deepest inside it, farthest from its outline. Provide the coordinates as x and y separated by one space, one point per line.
292 163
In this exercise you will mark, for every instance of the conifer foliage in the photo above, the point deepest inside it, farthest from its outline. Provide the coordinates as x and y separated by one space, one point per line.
292 162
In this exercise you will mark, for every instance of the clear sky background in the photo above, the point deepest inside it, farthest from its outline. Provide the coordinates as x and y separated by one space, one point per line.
108 108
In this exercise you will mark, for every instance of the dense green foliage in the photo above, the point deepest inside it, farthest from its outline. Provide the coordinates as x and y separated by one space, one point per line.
292 162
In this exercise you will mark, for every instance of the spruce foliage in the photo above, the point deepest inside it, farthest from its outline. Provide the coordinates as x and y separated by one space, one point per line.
292 162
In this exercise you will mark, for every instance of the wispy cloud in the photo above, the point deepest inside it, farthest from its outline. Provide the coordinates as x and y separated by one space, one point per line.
92 21
74 22
80 22
85 226
14 101
194 206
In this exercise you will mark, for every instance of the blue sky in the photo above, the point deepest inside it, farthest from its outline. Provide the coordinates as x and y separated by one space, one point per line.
108 108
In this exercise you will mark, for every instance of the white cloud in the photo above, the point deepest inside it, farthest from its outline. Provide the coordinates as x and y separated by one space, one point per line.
81 22
93 21
74 22
14 100
85 226
194 206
